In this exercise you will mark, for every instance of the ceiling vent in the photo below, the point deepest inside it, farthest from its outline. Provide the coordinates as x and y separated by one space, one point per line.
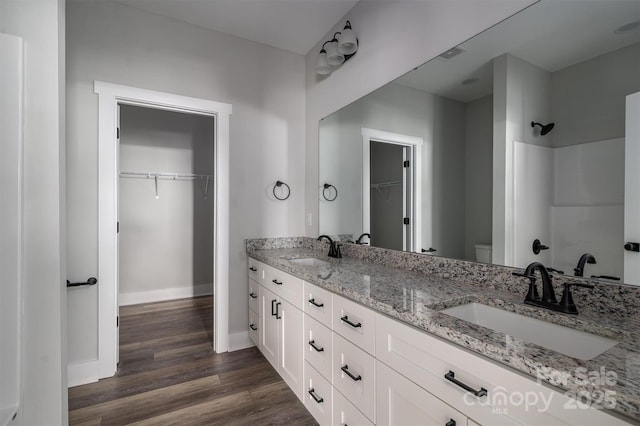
451 53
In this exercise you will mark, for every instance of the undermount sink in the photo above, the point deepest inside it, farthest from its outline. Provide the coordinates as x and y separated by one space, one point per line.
574 343
310 261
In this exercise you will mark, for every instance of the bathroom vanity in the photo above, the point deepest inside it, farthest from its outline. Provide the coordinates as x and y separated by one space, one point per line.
363 340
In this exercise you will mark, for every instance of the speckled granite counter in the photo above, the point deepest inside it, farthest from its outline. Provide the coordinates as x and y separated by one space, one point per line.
414 297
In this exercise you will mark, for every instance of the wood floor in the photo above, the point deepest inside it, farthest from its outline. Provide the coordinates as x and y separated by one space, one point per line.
168 375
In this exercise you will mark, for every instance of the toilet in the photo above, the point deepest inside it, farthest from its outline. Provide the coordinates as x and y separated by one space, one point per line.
483 253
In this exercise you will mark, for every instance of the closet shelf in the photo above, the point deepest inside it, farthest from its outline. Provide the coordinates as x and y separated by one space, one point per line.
386 184
156 176
169 176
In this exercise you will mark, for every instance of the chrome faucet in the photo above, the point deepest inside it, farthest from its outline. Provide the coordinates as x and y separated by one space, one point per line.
548 299
578 271
334 249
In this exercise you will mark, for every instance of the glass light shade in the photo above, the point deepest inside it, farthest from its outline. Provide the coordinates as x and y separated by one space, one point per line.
347 42
334 57
322 67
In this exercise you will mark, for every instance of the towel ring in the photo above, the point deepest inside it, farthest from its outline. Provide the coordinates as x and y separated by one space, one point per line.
324 192
278 185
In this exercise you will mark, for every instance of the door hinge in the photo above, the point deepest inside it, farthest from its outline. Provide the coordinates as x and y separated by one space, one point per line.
406 163
117 227
406 220
118 321
117 132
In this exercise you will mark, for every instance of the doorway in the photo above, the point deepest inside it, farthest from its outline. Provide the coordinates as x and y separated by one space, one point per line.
165 211
110 96
392 189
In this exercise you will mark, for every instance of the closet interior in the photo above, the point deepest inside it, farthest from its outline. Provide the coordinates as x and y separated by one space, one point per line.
165 205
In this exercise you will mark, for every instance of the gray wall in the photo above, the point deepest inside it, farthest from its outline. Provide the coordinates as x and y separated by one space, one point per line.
165 243
588 99
479 170
118 44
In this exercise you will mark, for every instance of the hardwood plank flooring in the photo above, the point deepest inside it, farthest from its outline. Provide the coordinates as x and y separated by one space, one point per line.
169 375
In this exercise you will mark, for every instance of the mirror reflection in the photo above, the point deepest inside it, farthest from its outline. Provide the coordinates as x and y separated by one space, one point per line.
506 149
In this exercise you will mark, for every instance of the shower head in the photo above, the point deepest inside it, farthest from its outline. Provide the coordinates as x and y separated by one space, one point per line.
544 128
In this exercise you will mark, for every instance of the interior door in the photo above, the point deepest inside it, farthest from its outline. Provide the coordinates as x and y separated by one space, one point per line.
632 191
390 222
117 280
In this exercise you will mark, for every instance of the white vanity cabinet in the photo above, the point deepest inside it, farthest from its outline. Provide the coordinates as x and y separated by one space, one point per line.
280 331
352 365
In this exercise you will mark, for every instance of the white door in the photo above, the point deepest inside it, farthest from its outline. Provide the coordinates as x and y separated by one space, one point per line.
290 356
269 330
632 190
117 280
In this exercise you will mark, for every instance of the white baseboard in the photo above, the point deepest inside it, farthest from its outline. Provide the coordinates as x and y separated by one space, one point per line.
81 373
150 296
239 341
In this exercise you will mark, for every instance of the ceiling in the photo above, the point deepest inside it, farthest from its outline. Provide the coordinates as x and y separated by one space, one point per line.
551 34
293 25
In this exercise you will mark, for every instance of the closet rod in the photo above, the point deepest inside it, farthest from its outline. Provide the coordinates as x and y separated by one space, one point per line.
170 176
385 184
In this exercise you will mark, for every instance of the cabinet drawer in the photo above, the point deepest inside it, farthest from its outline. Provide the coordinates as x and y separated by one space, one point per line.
284 285
402 402
354 322
318 395
318 346
344 412
354 375
317 303
426 360
253 295
256 270
254 326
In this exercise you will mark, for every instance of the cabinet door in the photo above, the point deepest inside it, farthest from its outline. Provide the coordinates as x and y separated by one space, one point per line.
254 327
318 395
253 295
268 331
402 402
291 338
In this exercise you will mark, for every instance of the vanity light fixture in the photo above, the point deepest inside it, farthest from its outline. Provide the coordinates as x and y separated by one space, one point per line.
337 51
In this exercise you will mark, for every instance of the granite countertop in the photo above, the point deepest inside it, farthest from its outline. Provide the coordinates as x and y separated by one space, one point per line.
416 298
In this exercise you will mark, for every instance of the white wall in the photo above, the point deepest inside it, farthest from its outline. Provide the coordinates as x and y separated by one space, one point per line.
387 50
166 244
11 112
117 44
43 333
522 94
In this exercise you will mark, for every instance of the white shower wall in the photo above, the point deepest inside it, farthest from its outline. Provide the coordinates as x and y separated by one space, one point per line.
572 199
588 211
166 244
